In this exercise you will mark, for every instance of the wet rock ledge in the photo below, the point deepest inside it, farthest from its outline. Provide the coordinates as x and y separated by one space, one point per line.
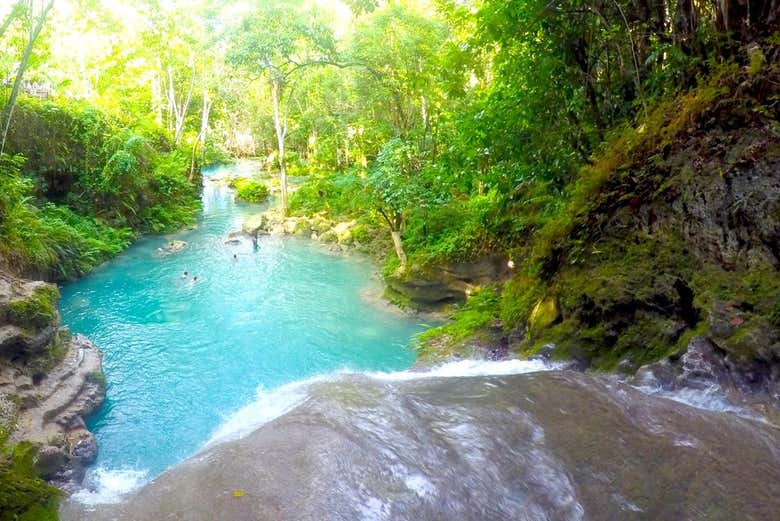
50 381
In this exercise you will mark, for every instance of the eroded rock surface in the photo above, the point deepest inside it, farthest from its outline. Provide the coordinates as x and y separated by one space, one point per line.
50 381
556 446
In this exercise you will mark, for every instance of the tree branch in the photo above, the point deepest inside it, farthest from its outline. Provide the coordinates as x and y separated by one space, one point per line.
16 10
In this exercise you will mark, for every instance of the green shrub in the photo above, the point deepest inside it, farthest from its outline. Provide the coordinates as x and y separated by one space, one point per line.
250 190
52 241
468 321
339 194
102 166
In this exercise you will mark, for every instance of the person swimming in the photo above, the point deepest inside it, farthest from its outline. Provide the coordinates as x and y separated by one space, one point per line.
184 275
194 280
235 258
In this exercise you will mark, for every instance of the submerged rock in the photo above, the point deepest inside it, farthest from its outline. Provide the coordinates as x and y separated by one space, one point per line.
172 247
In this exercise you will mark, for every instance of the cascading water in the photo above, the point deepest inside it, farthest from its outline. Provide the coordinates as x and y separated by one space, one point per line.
468 441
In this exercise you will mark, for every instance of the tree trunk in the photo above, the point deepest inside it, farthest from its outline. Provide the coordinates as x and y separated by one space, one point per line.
201 139
179 111
399 247
9 106
158 104
281 130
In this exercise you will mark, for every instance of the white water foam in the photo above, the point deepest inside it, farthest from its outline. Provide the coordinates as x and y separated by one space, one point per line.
710 398
270 405
467 368
110 486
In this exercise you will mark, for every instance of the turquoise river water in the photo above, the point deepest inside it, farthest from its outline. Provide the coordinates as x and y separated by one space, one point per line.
181 358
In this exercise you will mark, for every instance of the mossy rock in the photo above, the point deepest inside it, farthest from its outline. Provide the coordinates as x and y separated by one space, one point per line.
518 299
24 496
755 339
544 313
472 327
98 378
36 310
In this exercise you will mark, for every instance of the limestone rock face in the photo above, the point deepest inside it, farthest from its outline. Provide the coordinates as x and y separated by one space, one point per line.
451 284
731 219
28 316
50 380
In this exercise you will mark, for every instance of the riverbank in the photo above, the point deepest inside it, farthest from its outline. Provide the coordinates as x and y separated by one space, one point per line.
78 187
665 239
50 382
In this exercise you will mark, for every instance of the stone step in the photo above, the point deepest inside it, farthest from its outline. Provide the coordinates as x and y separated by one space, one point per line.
71 382
66 395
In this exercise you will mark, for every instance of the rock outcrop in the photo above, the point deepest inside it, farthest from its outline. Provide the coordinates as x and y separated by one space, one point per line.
172 247
709 369
339 235
450 283
50 381
672 233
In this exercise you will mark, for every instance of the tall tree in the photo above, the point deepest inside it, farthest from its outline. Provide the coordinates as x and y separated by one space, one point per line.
37 19
273 43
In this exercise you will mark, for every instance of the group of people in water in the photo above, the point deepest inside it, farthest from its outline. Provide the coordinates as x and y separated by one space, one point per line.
194 280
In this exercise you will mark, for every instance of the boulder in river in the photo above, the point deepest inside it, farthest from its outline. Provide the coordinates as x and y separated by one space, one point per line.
172 247
705 366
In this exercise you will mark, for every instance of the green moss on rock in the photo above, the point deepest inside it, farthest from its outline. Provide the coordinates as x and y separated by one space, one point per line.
544 313
36 311
98 378
24 496
467 324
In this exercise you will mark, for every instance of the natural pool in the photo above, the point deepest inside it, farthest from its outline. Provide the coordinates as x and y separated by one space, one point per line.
181 358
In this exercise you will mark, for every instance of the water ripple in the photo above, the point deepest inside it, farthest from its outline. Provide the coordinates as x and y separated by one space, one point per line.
180 358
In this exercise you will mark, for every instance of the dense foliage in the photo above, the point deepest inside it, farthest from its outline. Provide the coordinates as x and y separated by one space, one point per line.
81 186
250 190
